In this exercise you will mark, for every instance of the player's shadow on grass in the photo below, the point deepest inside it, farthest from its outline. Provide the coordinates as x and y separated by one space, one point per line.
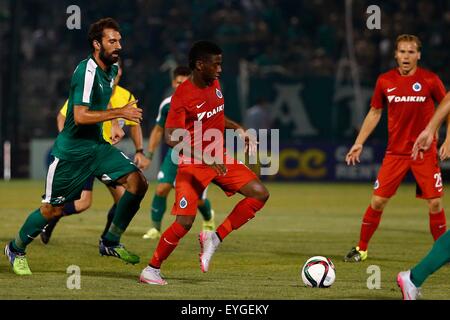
112 275
189 280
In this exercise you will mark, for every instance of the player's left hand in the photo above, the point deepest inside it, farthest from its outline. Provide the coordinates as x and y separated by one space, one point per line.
444 150
141 161
117 132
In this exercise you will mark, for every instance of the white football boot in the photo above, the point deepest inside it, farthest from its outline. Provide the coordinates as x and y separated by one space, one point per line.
209 241
152 276
409 290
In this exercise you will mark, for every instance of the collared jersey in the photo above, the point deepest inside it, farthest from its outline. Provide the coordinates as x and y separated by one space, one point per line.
411 104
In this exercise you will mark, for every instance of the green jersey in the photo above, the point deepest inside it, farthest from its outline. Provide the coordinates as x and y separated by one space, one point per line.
91 87
163 112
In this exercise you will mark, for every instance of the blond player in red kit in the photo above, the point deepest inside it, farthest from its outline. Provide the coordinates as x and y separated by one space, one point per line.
410 94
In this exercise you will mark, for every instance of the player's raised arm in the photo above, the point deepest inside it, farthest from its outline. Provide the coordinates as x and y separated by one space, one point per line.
424 140
369 124
83 115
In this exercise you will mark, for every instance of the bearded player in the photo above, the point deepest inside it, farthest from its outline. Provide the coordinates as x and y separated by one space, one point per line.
80 151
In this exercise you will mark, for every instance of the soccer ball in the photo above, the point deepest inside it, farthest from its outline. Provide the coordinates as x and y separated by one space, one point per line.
318 272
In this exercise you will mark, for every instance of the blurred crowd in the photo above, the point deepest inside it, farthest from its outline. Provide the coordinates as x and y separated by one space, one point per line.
283 37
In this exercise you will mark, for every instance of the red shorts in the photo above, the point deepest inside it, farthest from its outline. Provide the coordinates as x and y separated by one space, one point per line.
192 179
426 171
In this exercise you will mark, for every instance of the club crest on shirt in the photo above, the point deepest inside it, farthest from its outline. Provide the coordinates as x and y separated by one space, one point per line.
417 87
219 94
183 203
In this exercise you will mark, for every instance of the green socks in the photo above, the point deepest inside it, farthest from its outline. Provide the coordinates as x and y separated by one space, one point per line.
205 210
30 229
159 205
126 208
436 258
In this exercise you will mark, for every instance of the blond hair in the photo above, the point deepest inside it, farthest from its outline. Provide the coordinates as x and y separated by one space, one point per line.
409 38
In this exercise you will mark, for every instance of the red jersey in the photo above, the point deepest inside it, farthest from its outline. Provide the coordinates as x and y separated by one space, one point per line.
411 104
191 104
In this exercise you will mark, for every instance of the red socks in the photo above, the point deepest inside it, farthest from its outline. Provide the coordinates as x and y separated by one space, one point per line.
437 224
370 223
243 212
372 218
167 243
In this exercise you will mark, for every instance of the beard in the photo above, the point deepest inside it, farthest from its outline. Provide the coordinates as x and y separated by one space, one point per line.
108 59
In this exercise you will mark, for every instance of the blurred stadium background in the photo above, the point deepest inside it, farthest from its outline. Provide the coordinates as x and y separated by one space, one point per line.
293 57
311 64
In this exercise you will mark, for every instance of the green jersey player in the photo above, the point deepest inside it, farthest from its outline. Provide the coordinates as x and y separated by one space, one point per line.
80 151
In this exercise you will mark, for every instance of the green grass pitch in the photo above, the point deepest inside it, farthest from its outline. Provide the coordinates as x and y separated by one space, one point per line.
262 260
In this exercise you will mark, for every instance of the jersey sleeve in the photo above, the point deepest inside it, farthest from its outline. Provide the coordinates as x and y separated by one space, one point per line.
176 117
82 85
63 110
377 100
162 114
438 90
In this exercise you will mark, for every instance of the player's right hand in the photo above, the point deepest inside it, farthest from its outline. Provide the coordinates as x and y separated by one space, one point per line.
423 143
353 155
131 113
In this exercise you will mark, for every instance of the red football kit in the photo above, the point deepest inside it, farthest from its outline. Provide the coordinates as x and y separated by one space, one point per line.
192 104
411 104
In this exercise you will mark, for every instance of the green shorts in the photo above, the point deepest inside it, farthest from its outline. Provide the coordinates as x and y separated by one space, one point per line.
168 170
66 179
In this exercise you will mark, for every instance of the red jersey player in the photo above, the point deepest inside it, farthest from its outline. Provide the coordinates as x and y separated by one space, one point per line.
199 100
410 93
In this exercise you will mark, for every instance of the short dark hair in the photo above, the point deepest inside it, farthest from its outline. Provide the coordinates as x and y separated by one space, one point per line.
96 29
202 49
181 71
